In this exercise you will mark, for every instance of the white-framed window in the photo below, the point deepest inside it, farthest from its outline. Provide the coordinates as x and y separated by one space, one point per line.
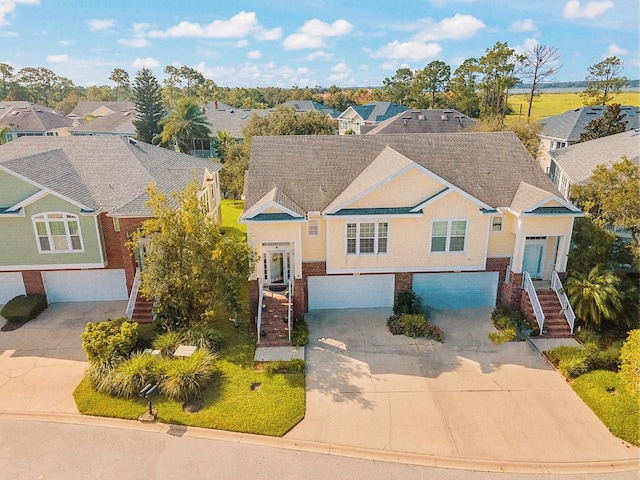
496 224
448 235
367 238
57 232
313 228
116 224
345 125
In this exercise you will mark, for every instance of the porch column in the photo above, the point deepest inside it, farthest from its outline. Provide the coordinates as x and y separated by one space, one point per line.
518 249
297 254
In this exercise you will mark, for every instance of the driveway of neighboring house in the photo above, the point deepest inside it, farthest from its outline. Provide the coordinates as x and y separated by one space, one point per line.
464 399
42 362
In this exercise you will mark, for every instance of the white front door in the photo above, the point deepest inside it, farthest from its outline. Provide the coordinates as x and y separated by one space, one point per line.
533 259
277 267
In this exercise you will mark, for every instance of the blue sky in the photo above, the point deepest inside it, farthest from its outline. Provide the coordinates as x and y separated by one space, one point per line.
306 43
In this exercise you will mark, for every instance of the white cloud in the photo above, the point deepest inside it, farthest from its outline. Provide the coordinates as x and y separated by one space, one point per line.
8 34
57 58
526 25
458 27
340 73
314 32
242 43
617 51
408 51
97 25
139 39
318 55
572 9
145 63
238 26
254 55
8 7
66 43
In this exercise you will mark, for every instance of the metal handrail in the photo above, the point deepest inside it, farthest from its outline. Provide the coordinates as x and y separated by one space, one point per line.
259 320
527 285
556 286
131 304
289 307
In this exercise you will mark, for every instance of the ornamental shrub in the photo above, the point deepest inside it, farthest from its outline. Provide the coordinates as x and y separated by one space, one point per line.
168 342
630 363
104 342
133 374
408 302
295 365
23 308
185 378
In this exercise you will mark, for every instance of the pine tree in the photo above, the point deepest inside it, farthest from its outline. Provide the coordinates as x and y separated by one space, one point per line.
147 95
611 122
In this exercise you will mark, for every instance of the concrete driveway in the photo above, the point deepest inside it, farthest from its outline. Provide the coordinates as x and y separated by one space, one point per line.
42 362
464 399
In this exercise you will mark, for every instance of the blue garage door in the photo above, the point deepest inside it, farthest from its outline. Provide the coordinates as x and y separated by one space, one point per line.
457 290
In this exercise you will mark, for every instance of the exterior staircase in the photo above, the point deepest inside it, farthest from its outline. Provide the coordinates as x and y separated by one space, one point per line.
142 310
274 328
555 323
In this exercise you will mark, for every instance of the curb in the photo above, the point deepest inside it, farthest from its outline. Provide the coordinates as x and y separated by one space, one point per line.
425 460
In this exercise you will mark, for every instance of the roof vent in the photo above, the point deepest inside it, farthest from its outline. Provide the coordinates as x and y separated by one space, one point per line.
132 141
444 118
421 117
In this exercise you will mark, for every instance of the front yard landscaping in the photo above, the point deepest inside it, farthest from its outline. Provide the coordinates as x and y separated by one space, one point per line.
229 402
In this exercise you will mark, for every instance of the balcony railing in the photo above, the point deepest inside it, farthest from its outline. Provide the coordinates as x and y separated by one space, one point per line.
131 304
527 285
259 319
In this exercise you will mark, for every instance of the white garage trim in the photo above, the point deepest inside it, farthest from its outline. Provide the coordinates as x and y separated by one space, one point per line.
11 285
456 290
350 291
85 285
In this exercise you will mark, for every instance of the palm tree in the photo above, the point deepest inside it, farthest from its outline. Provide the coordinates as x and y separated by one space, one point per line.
595 296
185 124
4 130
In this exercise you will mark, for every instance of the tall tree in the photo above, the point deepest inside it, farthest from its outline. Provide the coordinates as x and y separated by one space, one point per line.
463 86
185 124
147 96
611 122
4 130
612 197
43 85
432 79
193 271
539 64
120 77
398 88
604 81
498 67
6 77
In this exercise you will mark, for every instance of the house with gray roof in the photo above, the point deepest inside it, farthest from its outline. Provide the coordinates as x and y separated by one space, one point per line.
68 206
33 120
349 221
99 109
118 123
562 130
423 121
311 106
574 164
357 116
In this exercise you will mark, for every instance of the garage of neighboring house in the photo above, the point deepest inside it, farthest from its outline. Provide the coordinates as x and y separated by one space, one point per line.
85 285
350 291
11 285
457 290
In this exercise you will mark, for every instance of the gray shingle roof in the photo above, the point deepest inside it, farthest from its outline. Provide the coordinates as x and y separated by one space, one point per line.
569 125
102 173
120 123
313 170
578 161
224 117
86 107
378 111
27 116
310 105
424 121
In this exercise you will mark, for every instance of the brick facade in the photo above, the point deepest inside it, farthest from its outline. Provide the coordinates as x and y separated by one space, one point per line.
403 281
511 294
254 296
118 254
309 269
33 282
500 265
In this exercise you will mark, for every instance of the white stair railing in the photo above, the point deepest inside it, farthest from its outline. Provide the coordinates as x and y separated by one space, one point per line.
527 285
259 320
290 303
131 304
556 286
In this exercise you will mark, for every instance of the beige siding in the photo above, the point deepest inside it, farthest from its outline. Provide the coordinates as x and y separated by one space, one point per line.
314 248
501 244
546 225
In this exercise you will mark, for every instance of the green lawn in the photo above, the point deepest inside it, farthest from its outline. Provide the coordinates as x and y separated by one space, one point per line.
231 213
229 402
604 393
549 104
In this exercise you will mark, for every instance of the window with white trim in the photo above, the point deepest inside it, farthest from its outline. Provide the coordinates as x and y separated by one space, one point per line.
496 224
57 232
448 235
313 228
367 238
116 224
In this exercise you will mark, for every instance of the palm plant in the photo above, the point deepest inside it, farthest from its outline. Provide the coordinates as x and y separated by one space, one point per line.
595 296
4 130
185 124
